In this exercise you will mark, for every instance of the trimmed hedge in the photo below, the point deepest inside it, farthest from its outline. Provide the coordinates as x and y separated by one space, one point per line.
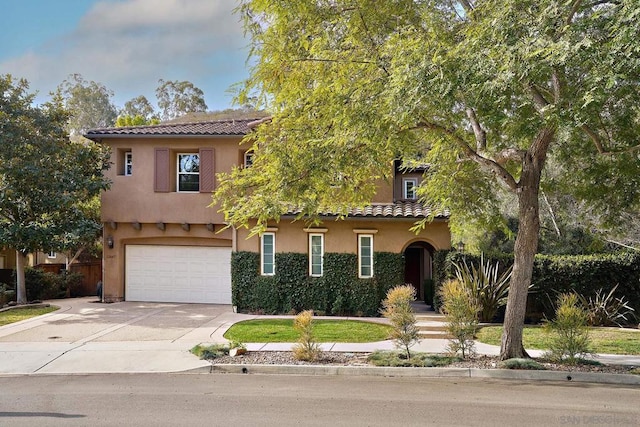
41 285
338 292
553 274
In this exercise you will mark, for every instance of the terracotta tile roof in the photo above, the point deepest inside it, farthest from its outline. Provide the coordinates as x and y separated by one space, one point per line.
217 127
413 210
396 210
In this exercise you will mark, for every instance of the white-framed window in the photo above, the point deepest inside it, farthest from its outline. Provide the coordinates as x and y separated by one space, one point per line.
409 186
248 158
128 163
188 172
268 254
365 255
52 254
316 254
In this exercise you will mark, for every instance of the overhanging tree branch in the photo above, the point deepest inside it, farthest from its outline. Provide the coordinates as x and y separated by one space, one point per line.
597 141
539 101
481 135
485 163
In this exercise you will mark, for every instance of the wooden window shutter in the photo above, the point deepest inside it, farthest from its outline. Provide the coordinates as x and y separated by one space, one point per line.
162 171
207 170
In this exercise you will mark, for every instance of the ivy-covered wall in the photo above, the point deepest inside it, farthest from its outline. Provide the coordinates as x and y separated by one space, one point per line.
553 274
338 292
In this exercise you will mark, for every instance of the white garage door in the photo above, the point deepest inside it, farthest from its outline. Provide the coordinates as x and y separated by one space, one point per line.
192 274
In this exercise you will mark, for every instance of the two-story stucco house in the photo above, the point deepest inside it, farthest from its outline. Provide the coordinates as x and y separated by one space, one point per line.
163 242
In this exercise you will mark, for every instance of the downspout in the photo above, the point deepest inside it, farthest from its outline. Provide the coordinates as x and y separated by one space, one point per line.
234 239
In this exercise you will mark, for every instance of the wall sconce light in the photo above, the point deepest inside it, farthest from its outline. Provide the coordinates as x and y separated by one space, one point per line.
461 247
110 242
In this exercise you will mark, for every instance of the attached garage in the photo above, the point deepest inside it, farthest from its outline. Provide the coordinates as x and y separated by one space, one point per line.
185 274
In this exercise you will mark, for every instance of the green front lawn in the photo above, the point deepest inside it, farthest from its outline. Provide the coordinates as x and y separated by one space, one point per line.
18 314
281 330
604 340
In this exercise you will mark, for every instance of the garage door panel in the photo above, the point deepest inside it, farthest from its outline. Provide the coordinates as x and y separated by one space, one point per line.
191 274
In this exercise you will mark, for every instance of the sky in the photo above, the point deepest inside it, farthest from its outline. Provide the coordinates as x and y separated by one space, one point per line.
126 45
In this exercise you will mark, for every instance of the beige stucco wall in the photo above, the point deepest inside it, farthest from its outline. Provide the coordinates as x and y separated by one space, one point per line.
9 258
390 235
132 198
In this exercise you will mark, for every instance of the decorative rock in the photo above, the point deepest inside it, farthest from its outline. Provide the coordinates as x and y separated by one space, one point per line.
238 351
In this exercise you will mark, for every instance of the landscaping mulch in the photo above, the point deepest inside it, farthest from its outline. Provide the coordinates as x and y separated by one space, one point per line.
360 359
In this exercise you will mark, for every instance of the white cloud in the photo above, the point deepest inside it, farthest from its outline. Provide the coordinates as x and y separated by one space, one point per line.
128 45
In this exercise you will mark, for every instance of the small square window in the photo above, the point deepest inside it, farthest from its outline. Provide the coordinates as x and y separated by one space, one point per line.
409 186
188 172
52 254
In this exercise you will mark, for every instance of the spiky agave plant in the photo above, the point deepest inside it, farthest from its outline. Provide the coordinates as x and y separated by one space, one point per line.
487 285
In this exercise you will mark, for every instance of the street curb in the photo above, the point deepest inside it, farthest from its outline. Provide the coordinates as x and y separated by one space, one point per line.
507 374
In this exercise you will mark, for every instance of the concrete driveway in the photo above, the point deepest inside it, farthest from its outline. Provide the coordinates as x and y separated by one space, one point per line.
88 336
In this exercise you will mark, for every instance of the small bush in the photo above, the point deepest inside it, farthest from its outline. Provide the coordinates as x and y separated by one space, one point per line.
571 335
399 359
519 363
397 308
488 286
211 351
7 293
460 310
307 348
604 309
41 285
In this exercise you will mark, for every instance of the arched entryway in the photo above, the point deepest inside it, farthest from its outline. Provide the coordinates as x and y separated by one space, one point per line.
418 269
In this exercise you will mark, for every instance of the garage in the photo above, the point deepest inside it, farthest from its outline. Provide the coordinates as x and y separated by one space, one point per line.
186 274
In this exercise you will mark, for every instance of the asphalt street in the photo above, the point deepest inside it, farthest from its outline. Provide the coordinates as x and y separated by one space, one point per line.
266 400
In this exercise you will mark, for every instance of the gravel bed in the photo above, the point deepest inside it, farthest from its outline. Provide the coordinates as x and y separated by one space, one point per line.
360 359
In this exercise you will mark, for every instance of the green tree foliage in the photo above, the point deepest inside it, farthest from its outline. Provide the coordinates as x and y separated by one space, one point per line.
176 98
139 106
137 112
124 121
481 90
89 104
45 179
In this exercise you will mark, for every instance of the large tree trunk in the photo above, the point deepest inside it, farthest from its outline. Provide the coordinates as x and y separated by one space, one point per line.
21 289
526 246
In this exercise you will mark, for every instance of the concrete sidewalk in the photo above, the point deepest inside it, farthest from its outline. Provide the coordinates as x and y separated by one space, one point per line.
85 336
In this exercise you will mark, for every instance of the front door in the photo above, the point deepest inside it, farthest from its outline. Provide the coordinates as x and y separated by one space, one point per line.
413 259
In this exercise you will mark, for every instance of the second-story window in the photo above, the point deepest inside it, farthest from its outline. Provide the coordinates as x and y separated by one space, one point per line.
128 163
248 159
188 172
409 186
